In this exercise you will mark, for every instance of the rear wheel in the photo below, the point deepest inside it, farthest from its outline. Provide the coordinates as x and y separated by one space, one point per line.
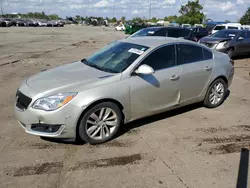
100 123
215 94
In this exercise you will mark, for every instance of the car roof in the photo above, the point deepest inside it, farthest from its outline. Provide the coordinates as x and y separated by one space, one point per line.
154 41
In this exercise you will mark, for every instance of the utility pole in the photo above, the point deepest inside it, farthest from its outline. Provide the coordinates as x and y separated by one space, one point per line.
113 9
1 9
149 9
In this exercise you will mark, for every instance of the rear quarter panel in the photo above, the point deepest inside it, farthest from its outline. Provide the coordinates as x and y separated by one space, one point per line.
222 66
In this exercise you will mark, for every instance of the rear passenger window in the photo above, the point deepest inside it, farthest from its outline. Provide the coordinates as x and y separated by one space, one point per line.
188 53
207 54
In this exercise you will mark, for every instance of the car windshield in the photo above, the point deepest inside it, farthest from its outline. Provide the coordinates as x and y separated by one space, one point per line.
225 34
115 57
176 33
145 32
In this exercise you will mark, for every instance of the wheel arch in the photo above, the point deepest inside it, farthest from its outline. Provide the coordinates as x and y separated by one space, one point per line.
220 77
121 107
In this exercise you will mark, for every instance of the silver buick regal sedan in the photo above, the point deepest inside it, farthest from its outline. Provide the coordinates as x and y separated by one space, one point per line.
126 80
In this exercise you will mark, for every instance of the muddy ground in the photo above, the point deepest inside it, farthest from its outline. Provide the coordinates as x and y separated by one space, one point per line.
187 148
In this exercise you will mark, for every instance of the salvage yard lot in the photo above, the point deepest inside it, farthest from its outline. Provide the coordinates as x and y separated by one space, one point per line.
186 148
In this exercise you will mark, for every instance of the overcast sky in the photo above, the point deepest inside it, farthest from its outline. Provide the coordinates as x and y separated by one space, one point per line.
219 10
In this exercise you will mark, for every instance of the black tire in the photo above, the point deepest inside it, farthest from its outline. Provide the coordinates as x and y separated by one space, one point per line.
207 102
230 52
82 130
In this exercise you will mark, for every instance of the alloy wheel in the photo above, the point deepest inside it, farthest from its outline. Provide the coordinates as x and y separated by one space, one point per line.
101 123
217 93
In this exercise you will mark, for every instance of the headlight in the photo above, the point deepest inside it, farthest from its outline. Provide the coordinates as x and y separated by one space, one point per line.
53 102
221 45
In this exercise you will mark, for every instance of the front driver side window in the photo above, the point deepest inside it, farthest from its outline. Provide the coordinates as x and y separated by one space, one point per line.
161 58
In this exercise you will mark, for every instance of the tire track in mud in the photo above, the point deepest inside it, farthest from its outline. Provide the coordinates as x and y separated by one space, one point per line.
68 164
229 139
61 166
227 144
110 144
236 128
109 162
229 148
37 55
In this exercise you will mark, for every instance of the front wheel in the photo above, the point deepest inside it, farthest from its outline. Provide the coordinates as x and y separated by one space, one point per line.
230 52
215 94
100 123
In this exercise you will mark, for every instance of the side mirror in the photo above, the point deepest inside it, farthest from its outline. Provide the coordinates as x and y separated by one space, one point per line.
241 38
145 69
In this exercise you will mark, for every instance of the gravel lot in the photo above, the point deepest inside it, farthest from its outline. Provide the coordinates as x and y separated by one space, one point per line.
190 147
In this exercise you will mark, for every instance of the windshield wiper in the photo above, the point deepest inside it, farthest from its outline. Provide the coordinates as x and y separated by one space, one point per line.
97 67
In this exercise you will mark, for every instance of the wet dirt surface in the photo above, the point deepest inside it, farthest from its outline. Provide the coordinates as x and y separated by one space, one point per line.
186 148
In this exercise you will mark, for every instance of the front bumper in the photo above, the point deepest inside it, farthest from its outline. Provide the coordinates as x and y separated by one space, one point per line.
56 124
60 123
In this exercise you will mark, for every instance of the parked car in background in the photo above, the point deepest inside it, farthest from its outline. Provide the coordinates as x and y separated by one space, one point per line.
198 25
20 22
226 26
61 23
175 32
230 41
186 26
5 22
8 22
78 99
174 25
120 27
2 23
200 32
42 23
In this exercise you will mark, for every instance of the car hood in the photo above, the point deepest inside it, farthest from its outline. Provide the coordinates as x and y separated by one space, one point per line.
214 40
70 77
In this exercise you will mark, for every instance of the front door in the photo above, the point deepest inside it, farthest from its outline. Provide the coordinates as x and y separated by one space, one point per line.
150 94
242 46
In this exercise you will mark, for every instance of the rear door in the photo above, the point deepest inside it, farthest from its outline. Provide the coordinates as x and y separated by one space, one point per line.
197 66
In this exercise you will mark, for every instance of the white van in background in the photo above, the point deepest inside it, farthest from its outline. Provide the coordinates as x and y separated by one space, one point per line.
227 26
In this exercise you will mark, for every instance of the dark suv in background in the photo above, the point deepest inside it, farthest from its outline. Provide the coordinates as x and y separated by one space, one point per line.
230 41
166 32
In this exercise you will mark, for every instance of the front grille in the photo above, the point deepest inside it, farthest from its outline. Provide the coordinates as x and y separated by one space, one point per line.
22 101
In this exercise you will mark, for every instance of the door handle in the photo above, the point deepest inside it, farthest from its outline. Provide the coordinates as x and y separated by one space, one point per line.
208 68
174 77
